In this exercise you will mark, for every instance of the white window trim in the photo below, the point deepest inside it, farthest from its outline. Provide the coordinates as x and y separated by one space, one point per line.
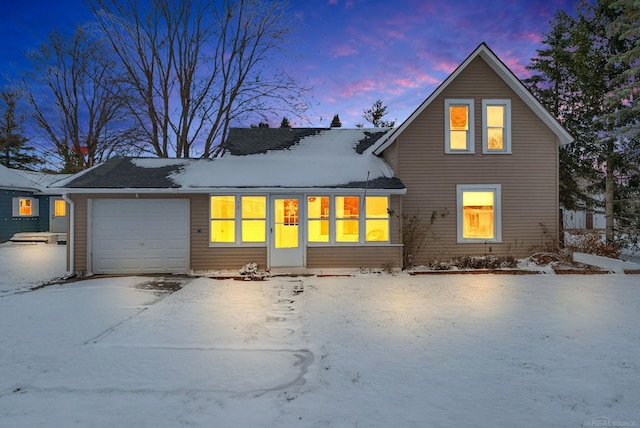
303 215
15 207
497 210
507 126
471 149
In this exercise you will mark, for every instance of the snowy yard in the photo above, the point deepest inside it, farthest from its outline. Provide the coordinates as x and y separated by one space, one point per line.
365 351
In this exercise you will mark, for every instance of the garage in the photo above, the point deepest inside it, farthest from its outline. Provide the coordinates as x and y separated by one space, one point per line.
131 236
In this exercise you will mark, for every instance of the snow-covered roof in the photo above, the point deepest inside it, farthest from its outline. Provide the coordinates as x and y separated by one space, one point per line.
483 51
12 179
324 158
29 180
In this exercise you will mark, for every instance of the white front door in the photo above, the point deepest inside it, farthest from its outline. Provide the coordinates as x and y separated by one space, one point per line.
58 217
286 248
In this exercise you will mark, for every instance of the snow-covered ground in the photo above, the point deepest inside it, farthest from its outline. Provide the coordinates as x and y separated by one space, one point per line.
364 351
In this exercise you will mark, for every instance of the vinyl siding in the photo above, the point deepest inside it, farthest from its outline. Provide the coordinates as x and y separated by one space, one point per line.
206 258
354 257
529 176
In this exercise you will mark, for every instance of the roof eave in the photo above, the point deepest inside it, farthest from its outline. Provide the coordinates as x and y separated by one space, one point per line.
237 190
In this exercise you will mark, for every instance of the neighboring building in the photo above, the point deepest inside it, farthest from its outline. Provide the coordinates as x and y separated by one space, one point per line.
28 205
481 150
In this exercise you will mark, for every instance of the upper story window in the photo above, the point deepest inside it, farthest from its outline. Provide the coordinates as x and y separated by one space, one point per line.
459 133
496 126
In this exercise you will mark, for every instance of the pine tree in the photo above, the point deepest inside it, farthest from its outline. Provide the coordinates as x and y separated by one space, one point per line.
375 114
14 153
575 80
285 123
336 123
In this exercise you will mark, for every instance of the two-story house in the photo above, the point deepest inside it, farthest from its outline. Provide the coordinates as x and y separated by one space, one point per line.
476 164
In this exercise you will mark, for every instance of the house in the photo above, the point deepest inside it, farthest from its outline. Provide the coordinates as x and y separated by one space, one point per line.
28 205
481 152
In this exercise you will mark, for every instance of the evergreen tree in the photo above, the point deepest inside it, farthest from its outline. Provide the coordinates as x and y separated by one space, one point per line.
375 114
575 81
285 123
336 123
14 153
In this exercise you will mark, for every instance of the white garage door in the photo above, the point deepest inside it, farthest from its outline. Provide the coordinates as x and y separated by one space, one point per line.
140 235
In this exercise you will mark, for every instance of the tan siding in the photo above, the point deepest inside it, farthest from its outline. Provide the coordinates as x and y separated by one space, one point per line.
390 156
80 233
395 206
204 257
529 176
354 257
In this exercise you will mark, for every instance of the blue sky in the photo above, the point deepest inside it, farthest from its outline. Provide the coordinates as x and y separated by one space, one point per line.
351 52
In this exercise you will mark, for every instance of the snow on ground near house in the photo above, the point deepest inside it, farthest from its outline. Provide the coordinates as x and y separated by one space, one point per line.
24 265
365 351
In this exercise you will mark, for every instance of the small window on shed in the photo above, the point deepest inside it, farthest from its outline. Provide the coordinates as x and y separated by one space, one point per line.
25 207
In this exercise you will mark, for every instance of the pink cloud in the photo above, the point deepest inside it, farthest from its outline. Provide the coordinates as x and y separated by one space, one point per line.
344 50
395 34
360 86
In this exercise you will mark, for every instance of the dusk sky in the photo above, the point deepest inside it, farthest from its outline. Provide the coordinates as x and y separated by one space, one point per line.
352 52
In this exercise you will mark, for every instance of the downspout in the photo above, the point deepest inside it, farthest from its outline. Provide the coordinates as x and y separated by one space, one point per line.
71 233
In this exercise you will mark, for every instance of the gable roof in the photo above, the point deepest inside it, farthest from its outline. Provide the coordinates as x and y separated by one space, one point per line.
264 159
507 76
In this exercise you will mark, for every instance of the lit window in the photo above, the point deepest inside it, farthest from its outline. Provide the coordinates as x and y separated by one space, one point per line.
496 121
60 208
377 218
318 214
25 207
479 217
459 135
347 218
223 214
254 211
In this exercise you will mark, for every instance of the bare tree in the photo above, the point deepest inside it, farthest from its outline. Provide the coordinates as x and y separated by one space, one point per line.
74 101
196 66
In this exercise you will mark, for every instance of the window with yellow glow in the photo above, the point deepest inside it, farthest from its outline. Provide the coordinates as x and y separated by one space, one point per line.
377 218
496 118
318 218
223 223
254 224
347 218
459 126
60 208
25 207
479 213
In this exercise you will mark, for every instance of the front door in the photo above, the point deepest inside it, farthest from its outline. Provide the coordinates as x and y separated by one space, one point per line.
58 217
286 234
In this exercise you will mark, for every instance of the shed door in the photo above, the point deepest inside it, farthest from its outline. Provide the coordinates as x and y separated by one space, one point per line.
140 235
58 211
